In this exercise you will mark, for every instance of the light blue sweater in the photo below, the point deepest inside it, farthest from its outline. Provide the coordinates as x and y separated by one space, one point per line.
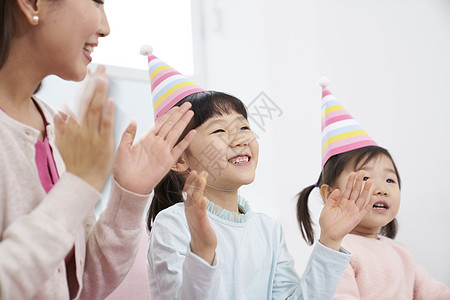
251 261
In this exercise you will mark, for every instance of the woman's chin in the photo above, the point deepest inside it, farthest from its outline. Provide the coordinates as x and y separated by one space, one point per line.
76 75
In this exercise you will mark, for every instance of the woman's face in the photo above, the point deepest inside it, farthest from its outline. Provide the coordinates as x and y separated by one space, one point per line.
66 35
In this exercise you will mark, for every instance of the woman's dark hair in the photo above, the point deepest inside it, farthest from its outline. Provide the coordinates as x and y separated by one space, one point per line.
205 105
330 172
8 26
9 11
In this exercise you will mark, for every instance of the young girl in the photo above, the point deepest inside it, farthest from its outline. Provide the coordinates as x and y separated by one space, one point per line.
380 268
52 169
212 245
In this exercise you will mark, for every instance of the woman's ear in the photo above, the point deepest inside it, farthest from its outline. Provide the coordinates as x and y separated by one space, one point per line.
181 165
325 191
30 9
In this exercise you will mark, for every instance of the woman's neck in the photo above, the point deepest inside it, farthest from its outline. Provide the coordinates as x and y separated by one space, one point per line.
18 81
227 199
19 77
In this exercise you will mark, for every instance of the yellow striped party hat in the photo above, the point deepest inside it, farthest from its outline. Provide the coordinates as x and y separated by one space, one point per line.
340 132
168 86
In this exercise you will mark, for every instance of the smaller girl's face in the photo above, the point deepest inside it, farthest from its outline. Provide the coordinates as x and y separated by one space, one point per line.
226 148
386 189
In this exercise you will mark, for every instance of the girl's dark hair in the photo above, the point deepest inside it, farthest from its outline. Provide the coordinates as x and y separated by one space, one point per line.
205 105
330 172
8 26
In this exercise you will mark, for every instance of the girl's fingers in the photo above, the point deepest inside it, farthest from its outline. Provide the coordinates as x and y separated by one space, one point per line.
364 196
129 134
357 186
178 128
197 189
369 204
349 186
181 146
160 122
170 121
189 180
194 187
333 198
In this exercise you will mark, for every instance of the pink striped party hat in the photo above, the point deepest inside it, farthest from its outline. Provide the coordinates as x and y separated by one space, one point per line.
340 132
168 86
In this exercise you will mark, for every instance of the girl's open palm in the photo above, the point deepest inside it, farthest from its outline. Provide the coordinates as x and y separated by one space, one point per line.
203 237
139 166
342 213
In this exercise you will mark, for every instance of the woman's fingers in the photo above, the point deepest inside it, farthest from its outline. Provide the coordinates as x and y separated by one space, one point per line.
107 125
94 113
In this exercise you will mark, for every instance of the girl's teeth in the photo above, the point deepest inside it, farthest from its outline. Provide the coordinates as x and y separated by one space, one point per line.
379 206
239 160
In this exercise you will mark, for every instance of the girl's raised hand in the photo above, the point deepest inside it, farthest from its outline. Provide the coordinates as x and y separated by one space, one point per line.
203 237
87 147
342 213
138 167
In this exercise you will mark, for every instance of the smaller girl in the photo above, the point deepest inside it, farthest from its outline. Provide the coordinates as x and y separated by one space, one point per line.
205 241
380 268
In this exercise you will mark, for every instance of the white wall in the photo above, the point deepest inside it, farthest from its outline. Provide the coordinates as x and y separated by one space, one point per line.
388 63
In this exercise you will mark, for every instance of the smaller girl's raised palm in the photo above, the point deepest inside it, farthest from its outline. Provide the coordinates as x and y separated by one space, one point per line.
342 213
203 237
139 166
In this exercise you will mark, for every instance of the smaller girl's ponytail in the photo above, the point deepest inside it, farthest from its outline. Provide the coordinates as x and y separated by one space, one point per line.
167 193
304 215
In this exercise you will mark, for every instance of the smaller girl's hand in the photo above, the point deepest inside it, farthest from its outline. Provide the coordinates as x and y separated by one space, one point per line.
342 213
203 237
140 165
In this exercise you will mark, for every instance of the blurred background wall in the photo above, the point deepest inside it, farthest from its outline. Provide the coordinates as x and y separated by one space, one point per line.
388 63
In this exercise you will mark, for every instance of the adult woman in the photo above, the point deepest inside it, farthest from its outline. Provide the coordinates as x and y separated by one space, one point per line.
52 168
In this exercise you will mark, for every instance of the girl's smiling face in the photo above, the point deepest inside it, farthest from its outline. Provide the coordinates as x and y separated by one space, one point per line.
226 148
385 187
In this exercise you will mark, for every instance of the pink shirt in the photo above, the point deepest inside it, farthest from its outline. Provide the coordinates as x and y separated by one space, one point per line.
384 269
45 163
39 229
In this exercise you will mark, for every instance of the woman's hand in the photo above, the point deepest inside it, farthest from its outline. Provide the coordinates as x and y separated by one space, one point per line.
203 237
138 167
87 147
342 213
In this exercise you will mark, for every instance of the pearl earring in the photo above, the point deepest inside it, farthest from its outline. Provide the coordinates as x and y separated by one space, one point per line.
35 19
